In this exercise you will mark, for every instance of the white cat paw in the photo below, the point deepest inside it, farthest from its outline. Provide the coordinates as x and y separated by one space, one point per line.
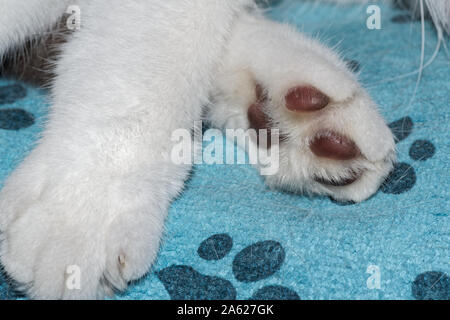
68 235
333 141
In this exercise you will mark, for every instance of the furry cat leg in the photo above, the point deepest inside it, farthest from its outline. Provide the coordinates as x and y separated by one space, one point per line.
94 194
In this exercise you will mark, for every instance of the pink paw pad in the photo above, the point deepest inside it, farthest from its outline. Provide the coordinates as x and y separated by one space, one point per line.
306 99
334 146
257 118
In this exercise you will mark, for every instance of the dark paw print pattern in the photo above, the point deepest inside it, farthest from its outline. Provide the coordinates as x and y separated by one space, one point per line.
215 247
13 119
256 262
184 283
403 176
12 93
275 293
400 180
402 128
431 285
422 150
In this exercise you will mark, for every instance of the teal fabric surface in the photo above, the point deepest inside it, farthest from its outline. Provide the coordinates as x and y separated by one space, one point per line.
228 236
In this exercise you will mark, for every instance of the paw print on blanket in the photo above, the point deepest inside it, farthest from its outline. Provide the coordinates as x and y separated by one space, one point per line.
256 262
13 118
431 285
403 177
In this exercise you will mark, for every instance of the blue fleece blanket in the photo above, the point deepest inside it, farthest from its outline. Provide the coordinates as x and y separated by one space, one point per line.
229 236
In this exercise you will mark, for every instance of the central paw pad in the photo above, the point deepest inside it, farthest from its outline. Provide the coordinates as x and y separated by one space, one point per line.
306 99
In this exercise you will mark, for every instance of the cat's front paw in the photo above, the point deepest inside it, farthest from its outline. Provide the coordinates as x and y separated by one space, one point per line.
333 141
340 148
73 233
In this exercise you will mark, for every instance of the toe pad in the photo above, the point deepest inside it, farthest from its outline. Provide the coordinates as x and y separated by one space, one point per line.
334 146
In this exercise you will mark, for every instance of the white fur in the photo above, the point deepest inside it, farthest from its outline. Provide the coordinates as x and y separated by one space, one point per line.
21 19
96 190
440 13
